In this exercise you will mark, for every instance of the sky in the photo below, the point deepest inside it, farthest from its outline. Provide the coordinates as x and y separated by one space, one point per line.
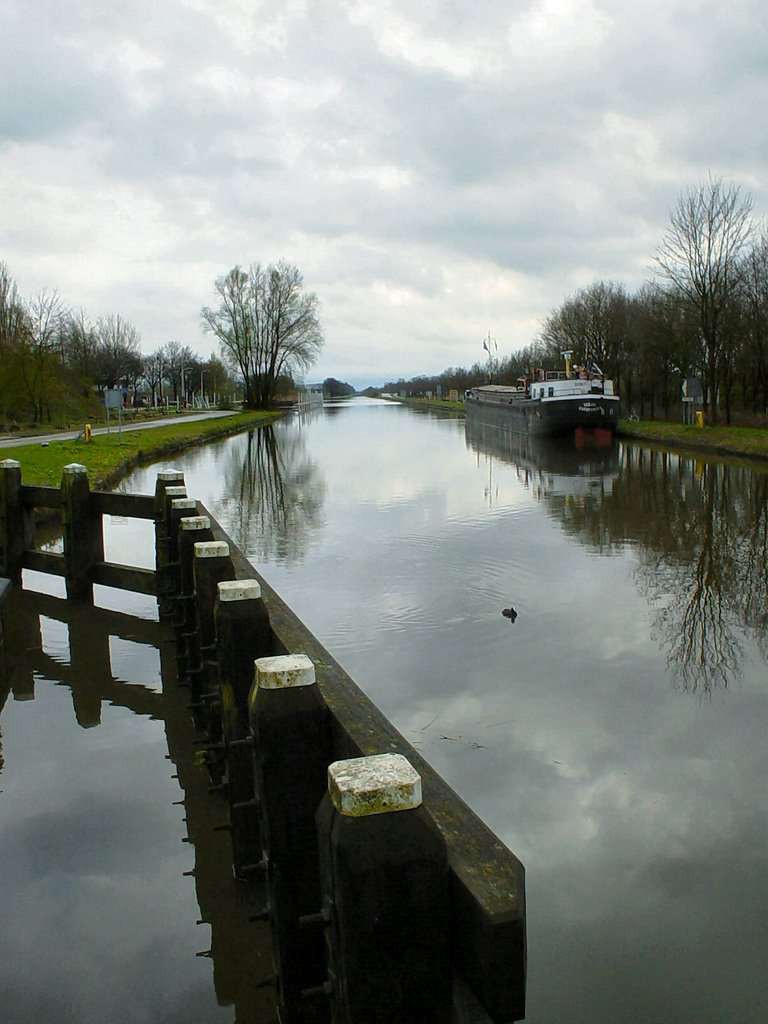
438 171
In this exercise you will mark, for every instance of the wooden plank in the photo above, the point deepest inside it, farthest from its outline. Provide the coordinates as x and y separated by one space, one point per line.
44 561
124 577
40 497
132 506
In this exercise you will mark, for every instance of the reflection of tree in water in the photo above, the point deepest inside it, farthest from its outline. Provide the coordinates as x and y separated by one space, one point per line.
275 495
702 531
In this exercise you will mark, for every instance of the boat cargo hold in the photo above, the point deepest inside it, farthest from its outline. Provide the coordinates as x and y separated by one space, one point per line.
555 404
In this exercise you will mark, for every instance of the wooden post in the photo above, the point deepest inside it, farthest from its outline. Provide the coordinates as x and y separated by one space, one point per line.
176 508
192 529
292 747
243 634
171 478
385 885
211 565
83 533
12 540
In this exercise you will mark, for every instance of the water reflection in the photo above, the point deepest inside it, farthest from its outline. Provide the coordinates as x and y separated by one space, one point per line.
700 529
102 823
273 494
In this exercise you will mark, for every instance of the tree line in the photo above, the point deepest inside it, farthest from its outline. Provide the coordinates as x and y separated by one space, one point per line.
54 361
704 316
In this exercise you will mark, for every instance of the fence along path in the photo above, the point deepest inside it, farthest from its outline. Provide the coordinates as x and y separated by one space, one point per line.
225 618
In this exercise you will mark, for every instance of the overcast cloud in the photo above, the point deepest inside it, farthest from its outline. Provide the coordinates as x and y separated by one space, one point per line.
435 169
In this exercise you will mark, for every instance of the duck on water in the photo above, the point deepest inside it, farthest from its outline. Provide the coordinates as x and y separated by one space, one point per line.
554 404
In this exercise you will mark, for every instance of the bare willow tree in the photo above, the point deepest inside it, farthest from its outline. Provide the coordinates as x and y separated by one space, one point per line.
701 255
266 324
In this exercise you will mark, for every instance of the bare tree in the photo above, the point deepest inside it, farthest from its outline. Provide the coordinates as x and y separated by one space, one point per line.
266 324
152 372
40 352
180 364
700 255
118 357
755 300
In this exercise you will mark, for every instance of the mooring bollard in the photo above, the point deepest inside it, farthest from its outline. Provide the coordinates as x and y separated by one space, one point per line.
292 747
12 520
83 533
243 634
385 887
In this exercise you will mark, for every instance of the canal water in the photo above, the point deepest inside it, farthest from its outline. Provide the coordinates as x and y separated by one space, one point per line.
611 727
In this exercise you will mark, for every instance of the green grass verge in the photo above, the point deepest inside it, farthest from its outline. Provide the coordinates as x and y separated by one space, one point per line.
107 457
747 441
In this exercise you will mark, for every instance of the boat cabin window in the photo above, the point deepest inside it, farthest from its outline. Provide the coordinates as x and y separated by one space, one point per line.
551 392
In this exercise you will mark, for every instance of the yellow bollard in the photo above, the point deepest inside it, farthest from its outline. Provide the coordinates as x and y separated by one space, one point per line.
699 419
87 432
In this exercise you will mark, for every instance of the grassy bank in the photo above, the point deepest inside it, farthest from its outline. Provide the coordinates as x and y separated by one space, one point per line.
744 441
107 457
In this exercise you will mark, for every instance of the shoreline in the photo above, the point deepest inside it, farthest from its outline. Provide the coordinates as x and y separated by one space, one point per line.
109 457
730 442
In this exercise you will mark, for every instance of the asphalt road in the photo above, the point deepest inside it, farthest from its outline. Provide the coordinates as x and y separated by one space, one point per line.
14 440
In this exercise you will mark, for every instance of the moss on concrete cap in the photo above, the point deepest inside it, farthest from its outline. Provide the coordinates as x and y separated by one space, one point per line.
195 522
283 671
239 590
211 548
374 785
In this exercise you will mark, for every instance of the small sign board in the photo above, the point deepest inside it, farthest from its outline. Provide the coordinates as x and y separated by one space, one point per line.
692 389
113 398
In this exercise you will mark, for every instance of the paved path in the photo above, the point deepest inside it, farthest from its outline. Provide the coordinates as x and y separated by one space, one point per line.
13 440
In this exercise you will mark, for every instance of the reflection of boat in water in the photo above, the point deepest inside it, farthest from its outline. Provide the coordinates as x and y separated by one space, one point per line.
556 403
548 466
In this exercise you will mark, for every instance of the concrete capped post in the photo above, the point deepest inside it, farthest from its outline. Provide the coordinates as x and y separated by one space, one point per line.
384 870
169 485
83 533
243 634
178 509
192 530
165 480
212 564
12 534
292 747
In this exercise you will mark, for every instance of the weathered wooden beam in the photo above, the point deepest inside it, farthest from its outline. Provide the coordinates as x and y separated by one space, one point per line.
37 496
115 503
44 561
